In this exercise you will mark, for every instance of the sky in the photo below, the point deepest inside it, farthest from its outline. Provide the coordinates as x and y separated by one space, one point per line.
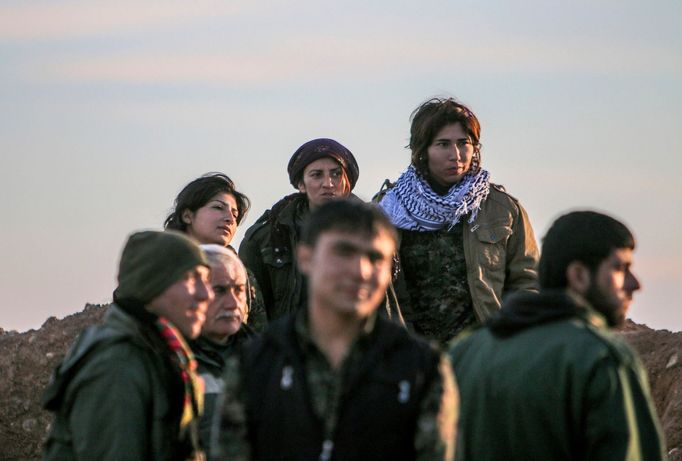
109 108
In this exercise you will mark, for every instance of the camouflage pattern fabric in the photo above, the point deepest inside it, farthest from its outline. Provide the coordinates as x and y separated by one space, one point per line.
435 276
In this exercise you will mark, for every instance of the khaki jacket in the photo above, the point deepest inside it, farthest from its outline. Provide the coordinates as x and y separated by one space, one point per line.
500 251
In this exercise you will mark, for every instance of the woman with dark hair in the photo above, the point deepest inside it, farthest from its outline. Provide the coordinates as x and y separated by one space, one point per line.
209 209
465 242
321 170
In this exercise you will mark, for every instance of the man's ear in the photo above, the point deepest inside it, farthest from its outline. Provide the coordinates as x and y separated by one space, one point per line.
304 255
187 216
578 277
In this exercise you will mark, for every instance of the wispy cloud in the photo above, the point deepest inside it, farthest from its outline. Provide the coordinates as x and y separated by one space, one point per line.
64 20
348 59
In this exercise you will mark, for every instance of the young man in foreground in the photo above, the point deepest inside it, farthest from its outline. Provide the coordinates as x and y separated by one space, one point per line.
337 380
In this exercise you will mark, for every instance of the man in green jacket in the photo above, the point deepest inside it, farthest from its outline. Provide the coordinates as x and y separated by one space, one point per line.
545 378
128 389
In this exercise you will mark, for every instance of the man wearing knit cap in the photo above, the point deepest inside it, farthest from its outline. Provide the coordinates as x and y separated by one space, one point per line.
128 389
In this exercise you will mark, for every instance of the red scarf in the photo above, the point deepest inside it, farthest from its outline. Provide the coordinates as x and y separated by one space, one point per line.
193 404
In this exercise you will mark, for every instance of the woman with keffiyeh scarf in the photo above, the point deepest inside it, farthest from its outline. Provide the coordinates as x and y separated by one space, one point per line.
464 241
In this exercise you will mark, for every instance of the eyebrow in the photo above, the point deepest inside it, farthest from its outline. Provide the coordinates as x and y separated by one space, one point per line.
225 203
336 168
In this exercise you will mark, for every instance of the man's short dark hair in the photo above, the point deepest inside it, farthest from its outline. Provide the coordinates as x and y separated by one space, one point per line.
344 215
584 236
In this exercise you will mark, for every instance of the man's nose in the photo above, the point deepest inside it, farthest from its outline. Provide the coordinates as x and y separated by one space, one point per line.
362 267
231 299
204 291
631 282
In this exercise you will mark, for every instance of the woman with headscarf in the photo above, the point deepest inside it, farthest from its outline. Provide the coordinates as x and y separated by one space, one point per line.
465 242
321 170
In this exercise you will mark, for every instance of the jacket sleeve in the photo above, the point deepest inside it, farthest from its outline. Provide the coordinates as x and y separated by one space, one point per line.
257 319
111 400
250 254
230 430
621 422
522 255
438 414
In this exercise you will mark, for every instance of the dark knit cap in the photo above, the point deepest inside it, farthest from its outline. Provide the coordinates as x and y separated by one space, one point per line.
152 261
317 149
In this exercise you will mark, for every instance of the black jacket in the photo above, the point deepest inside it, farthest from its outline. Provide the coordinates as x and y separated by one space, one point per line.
374 421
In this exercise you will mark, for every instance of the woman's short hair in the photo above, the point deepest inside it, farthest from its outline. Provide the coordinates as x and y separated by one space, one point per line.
432 116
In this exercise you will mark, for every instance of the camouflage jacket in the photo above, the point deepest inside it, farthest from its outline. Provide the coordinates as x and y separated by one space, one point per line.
283 400
501 256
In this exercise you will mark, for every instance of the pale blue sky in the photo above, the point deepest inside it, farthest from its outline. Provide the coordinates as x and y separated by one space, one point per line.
109 108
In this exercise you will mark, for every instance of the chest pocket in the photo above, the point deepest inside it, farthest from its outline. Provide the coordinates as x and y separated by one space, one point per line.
492 241
276 257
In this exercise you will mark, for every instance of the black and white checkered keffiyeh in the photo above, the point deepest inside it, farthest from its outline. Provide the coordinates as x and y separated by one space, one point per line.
413 205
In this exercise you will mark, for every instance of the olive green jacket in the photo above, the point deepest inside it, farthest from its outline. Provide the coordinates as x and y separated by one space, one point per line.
546 380
117 396
268 251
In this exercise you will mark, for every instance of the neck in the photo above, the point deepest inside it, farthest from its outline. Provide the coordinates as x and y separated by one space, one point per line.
333 333
222 340
438 188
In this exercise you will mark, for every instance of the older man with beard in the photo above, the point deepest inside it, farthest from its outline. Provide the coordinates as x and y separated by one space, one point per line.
225 329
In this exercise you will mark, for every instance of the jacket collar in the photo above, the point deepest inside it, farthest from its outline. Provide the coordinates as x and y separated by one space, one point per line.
524 310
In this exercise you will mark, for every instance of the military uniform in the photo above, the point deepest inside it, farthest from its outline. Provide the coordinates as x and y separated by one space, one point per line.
547 380
257 319
117 395
490 257
211 358
393 397
268 252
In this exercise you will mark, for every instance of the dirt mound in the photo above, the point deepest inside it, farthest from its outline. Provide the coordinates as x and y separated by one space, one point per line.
27 360
661 352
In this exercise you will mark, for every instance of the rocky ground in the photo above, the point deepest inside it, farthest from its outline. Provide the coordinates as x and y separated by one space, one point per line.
27 360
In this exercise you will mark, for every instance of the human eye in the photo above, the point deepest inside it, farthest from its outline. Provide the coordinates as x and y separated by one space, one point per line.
218 206
442 143
239 289
219 290
336 173
345 250
462 143
376 257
